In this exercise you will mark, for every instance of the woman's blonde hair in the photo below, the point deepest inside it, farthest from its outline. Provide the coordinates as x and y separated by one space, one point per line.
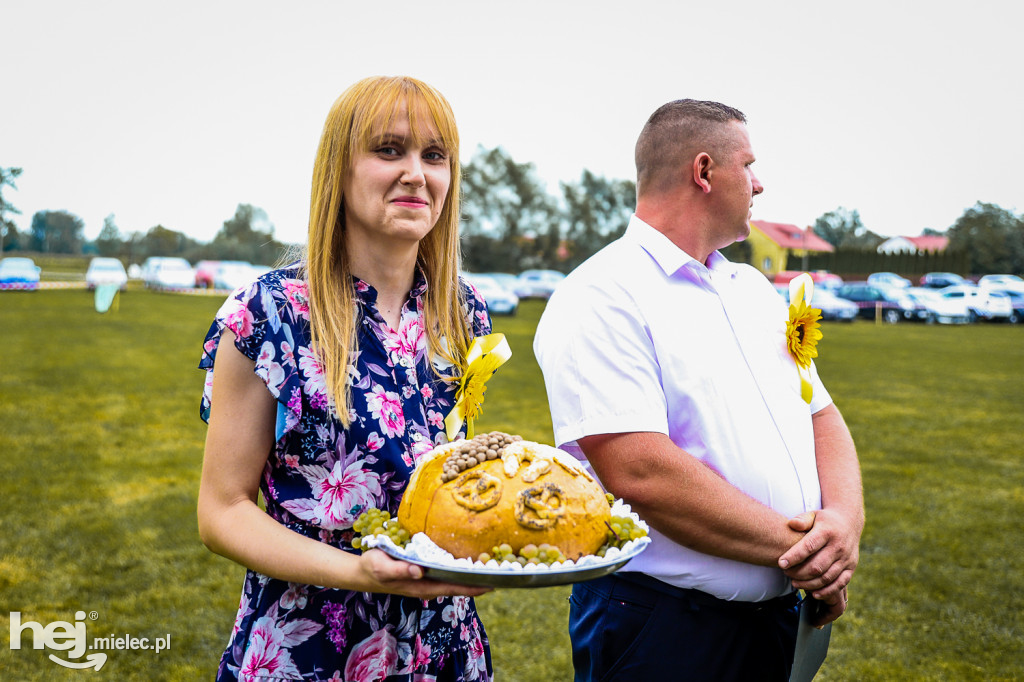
361 114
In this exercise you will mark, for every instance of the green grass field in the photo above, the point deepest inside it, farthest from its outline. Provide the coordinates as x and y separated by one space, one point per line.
102 444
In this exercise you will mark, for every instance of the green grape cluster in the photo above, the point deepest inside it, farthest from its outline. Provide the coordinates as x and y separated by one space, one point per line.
621 529
529 554
374 521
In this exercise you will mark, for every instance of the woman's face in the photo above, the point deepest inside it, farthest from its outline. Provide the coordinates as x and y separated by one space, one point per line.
396 189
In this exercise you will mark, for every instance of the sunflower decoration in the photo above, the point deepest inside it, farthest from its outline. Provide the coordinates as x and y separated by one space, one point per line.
486 354
802 330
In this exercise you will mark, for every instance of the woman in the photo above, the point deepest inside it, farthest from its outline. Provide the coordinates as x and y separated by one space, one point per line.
333 375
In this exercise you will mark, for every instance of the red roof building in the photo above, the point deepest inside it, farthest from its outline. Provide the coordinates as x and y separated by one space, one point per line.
922 244
771 245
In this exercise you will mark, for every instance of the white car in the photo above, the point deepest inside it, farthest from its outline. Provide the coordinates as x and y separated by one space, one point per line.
1002 283
934 308
106 271
538 283
888 280
500 301
982 304
231 274
167 272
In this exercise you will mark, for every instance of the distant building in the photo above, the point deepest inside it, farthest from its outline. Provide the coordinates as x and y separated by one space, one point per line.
774 245
922 244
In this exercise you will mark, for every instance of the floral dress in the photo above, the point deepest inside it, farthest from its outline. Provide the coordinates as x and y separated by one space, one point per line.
320 477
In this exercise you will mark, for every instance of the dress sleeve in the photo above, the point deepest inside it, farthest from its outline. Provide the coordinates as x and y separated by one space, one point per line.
263 322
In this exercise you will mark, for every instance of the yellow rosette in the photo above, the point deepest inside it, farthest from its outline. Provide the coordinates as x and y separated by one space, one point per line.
803 331
486 354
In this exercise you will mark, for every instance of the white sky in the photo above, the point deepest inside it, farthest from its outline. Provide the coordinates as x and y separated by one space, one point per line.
173 113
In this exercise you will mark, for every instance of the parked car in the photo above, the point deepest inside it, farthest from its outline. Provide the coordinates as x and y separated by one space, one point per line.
1002 283
106 271
500 301
1016 305
831 306
822 279
19 273
159 272
205 271
934 308
231 274
889 279
982 304
941 280
507 280
871 299
537 283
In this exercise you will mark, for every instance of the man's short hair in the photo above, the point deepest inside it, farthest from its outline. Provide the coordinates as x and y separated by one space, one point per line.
674 134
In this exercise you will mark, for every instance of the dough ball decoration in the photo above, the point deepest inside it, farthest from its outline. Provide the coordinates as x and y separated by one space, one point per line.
477 450
498 497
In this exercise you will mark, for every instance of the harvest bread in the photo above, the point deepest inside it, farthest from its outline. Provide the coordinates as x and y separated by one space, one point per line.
472 495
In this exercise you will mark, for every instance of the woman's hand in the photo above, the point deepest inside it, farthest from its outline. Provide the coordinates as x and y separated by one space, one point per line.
381 573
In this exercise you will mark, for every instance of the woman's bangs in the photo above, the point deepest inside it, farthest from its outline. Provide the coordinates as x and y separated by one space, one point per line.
429 120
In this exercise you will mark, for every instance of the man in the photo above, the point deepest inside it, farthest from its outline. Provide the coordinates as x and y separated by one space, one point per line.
667 369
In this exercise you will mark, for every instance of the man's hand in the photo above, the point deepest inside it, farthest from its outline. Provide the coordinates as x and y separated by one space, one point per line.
829 611
823 562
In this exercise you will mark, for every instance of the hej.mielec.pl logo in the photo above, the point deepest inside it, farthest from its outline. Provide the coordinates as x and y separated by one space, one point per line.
71 638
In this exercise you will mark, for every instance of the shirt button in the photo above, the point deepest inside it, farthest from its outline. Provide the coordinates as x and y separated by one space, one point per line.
417 437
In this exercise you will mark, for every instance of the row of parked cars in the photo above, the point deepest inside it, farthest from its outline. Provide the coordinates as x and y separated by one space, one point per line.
502 291
23 273
162 272
158 272
940 298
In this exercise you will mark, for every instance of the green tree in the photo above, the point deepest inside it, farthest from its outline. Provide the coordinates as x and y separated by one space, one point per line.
57 232
597 211
109 242
510 222
162 241
7 227
247 236
993 238
843 228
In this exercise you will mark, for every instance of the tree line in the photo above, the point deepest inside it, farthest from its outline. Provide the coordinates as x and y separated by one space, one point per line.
511 222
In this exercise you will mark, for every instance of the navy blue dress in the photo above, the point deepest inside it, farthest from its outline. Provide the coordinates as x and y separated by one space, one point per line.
320 477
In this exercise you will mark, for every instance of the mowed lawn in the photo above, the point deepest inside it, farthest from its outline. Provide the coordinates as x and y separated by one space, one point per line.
101 449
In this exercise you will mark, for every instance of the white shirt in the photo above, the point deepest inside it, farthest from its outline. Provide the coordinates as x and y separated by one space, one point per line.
643 338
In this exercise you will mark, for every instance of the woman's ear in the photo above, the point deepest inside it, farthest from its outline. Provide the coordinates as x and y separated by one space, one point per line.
702 171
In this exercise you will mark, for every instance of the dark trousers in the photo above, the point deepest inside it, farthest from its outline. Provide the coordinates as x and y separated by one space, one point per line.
629 626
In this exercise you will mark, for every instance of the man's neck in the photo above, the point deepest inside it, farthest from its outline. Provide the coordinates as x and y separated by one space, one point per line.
683 228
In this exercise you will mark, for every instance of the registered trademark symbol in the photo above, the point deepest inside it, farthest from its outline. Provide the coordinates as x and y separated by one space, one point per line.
93 615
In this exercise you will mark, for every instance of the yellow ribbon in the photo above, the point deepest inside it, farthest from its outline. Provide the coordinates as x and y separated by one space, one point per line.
486 354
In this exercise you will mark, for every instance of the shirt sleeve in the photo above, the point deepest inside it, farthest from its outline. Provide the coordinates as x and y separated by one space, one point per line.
599 366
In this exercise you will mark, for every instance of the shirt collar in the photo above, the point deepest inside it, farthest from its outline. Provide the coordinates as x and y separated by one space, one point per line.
669 257
367 295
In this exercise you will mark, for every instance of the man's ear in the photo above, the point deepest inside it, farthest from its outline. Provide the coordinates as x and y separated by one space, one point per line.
702 171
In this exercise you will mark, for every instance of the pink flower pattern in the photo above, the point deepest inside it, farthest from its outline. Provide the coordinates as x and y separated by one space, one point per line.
373 659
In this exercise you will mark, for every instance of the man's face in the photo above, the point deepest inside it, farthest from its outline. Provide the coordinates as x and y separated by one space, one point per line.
734 180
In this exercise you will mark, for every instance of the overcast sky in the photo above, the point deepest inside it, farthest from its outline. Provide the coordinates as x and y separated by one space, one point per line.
909 112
